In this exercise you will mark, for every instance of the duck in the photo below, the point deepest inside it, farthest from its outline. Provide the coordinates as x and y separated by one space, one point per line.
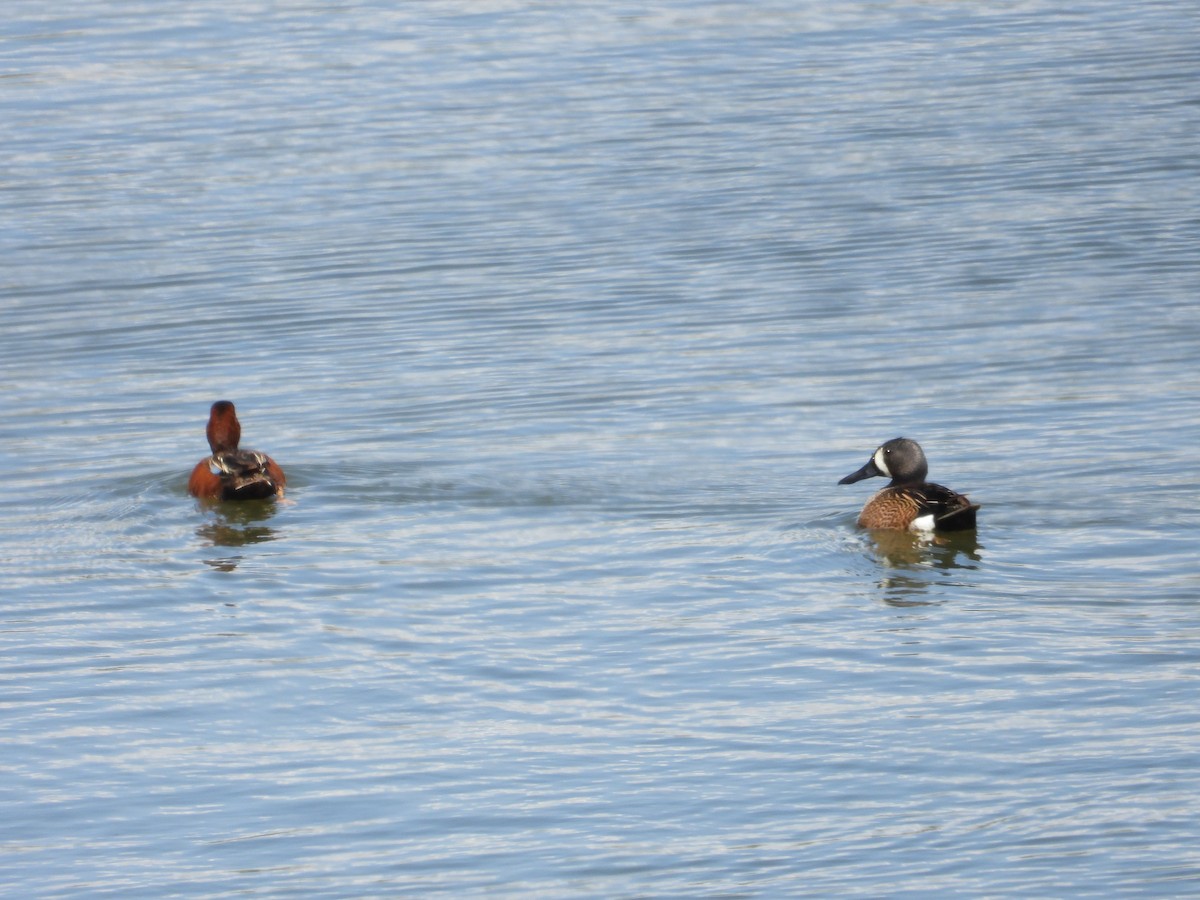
909 502
231 473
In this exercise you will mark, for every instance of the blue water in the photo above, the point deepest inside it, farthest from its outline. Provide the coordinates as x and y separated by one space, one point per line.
564 323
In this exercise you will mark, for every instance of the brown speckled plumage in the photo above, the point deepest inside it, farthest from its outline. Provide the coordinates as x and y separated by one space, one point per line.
900 507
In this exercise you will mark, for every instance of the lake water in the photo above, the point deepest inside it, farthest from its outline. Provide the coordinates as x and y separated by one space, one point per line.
564 322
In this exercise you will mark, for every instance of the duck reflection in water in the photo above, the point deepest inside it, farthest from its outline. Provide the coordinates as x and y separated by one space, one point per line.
237 524
912 563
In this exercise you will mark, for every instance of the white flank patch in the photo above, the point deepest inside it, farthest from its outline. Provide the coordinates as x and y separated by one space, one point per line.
922 523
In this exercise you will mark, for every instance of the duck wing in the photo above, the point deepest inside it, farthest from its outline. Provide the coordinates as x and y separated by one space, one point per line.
951 511
245 474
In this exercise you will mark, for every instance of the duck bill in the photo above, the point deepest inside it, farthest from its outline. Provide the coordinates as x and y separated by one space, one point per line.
867 471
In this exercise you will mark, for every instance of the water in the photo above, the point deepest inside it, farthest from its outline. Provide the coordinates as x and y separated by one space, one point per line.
564 323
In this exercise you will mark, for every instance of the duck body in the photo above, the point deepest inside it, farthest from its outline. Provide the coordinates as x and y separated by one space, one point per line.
909 502
231 473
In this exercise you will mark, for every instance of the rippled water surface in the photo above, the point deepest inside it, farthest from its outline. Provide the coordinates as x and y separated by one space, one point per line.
565 322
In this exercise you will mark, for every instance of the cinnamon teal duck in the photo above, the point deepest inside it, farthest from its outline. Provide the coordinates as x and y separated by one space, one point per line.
231 473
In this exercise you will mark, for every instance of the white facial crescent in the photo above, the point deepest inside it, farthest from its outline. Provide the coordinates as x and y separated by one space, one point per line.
880 464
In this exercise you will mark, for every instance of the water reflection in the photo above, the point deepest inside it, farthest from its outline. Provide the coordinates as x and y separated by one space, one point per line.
911 561
237 525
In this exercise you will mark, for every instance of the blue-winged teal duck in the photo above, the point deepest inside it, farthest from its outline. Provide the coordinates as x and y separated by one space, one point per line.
910 502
